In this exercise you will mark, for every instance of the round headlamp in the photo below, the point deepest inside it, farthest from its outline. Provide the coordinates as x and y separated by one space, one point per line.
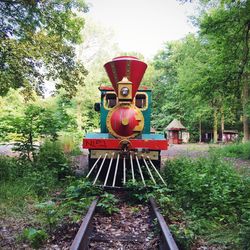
124 91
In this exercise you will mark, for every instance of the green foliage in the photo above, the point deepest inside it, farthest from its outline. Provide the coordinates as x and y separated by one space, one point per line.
214 196
107 203
245 231
200 79
49 214
209 188
10 168
52 158
137 192
35 237
241 150
49 29
78 197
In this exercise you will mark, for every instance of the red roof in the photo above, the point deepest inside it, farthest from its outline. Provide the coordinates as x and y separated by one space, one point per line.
106 88
110 88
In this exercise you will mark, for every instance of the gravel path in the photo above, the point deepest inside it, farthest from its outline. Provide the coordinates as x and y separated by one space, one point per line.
188 150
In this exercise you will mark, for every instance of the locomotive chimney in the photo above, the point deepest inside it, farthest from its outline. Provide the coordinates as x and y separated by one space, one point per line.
126 70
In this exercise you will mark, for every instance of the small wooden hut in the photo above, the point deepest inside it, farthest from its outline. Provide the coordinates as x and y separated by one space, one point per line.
174 132
229 135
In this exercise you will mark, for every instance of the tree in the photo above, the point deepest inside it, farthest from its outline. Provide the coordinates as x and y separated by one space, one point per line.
227 26
37 41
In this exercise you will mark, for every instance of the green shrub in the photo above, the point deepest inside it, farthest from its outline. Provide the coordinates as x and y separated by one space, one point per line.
8 168
34 236
70 142
77 198
108 203
245 231
41 181
51 157
12 168
208 187
238 150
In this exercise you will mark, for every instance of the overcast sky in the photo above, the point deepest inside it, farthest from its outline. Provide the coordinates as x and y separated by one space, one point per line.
143 25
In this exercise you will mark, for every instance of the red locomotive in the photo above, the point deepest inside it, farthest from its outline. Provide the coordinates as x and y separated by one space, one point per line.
125 147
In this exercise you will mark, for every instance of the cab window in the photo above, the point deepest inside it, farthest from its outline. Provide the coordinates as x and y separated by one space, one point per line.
141 101
110 100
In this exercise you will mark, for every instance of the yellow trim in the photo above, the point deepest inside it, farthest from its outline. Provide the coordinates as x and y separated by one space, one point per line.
139 117
105 100
141 93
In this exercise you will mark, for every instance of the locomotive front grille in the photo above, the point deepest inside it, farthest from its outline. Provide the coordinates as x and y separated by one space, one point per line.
153 155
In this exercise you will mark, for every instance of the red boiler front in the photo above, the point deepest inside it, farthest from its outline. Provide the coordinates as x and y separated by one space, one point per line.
125 121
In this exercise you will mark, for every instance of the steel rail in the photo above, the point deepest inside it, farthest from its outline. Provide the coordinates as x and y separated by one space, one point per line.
167 239
81 241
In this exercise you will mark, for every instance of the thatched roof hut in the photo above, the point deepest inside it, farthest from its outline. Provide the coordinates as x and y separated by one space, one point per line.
175 125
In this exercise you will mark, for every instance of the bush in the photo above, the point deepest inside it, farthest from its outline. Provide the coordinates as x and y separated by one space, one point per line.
241 150
34 237
208 188
108 203
12 168
51 157
71 142
8 168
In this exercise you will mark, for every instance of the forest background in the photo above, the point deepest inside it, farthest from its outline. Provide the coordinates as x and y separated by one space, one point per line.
202 79
51 65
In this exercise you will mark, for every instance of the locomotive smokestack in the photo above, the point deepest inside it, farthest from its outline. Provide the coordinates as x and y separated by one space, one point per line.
126 66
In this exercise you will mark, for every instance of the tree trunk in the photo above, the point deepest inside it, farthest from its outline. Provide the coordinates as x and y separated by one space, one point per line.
200 130
79 116
215 125
245 97
222 123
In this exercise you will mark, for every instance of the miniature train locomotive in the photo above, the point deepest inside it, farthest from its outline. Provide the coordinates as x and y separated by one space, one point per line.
125 145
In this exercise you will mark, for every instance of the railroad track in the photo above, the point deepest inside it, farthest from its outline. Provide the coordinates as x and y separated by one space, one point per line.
134 228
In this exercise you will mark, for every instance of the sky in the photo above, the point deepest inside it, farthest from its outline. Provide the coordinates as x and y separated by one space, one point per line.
143 25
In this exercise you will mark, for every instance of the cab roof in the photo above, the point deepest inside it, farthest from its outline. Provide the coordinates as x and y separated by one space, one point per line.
110 88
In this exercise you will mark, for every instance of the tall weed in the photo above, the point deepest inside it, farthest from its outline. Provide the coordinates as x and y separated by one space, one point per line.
238 150
11 168
209 187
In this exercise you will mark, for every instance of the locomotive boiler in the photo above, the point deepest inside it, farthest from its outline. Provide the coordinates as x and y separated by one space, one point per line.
124 148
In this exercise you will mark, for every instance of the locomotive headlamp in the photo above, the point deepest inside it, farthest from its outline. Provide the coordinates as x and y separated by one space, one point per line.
124 91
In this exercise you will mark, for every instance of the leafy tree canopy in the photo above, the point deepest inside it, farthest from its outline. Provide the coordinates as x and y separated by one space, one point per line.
37 41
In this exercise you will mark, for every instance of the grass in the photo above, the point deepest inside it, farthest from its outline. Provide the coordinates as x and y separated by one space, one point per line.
15 198
237 150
